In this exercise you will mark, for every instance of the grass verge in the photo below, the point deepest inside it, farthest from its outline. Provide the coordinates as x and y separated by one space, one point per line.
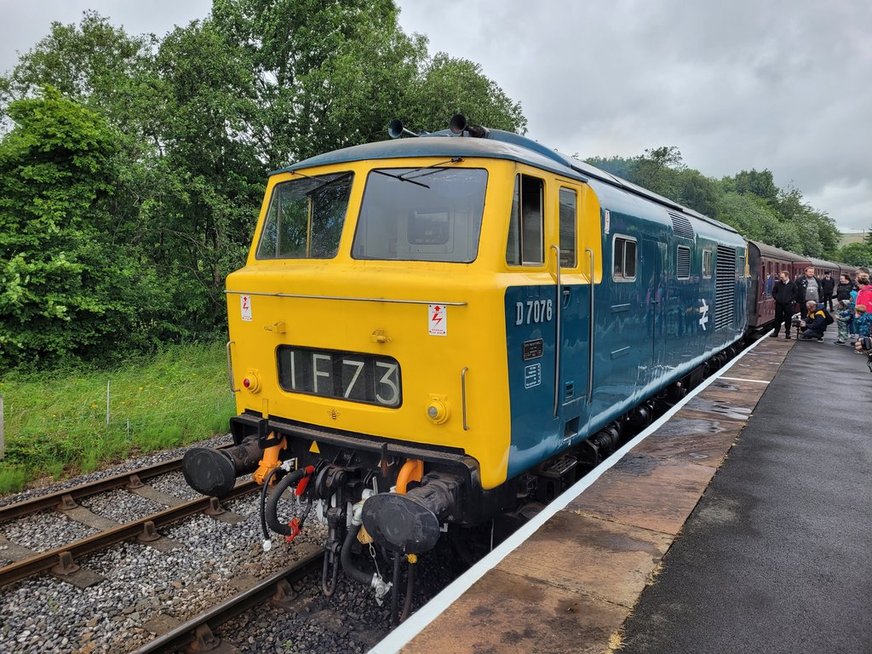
56 421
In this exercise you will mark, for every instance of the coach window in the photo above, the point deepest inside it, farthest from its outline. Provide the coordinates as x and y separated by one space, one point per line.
526 245
682 262
567 227
707 263
624 259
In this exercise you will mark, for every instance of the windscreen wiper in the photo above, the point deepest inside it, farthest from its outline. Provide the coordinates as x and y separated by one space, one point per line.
399 177
428 170
338 178
431 169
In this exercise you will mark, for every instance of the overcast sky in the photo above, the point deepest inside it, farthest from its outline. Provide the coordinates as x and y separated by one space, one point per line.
737 84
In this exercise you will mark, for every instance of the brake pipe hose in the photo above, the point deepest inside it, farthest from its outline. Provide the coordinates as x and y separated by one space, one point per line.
263 493
271 509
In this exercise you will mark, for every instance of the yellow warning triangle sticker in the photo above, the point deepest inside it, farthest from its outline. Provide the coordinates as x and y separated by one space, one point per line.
313 448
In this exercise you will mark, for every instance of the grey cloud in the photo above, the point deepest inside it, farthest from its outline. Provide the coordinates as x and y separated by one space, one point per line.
735 85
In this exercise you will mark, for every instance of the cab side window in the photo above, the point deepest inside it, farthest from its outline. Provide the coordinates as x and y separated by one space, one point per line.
568 204
707 266
526 245
624 259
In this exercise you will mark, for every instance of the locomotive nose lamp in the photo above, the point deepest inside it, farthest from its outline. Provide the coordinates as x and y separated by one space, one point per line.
437 409
251 381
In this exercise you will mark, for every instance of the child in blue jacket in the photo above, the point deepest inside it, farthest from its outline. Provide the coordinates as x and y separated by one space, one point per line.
862 321
843 321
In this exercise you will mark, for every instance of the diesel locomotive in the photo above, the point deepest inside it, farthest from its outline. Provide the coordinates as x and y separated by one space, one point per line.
431 331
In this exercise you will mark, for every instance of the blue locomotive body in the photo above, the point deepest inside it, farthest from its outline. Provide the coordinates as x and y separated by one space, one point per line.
673 294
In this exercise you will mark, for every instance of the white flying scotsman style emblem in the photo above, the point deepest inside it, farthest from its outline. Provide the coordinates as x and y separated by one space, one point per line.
703 315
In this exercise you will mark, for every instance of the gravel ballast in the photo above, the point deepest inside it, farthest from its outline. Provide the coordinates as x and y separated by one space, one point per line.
211 558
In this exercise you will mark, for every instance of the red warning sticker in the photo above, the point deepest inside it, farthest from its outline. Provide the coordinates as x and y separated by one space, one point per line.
437 320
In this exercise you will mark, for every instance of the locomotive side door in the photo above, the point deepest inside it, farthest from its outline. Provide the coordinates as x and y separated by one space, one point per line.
573 322
654 258
548 317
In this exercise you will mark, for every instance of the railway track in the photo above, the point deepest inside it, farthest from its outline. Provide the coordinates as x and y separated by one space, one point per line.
61 560
198 632
153 596
131 480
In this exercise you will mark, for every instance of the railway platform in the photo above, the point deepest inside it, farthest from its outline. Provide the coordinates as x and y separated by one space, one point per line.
739 523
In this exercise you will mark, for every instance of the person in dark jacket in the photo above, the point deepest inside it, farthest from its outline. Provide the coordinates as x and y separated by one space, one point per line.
828 285
808 287
815 323
843 290
783 293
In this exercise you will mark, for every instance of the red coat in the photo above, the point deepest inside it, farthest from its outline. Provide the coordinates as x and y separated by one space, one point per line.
864 297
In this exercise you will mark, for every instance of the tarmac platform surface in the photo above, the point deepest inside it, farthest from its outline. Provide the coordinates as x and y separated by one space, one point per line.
777 555
743 524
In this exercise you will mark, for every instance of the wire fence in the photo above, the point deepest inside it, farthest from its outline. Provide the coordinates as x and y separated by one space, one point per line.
91 432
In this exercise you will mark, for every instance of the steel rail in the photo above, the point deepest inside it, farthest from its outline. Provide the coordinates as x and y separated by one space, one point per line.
44 560
185 633
121 480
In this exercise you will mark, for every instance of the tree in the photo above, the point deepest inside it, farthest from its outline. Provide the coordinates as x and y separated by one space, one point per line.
749 201
208 183
69 287
754 219
188 127
94 63
662 171
855 254
449 86
817 231
333 74
754 182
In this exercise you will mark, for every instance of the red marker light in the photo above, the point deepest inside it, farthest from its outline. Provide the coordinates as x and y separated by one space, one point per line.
251 382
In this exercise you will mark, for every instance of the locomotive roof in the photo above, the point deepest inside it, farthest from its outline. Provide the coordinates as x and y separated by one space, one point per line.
440 145
497 144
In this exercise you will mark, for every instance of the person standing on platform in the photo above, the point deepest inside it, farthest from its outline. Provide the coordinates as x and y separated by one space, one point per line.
843 290
843 320
815 323
828 285
862 321
783 292
807 289
864 291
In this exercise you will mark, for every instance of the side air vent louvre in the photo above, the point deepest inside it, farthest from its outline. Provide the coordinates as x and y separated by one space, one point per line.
682 263
725 286
681 225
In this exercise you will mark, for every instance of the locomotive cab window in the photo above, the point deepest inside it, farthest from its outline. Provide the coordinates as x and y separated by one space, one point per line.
568 221
421 214
526 245
624 259
305 218
707 264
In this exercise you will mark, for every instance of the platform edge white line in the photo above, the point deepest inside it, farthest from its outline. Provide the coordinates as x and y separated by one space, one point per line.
415 624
